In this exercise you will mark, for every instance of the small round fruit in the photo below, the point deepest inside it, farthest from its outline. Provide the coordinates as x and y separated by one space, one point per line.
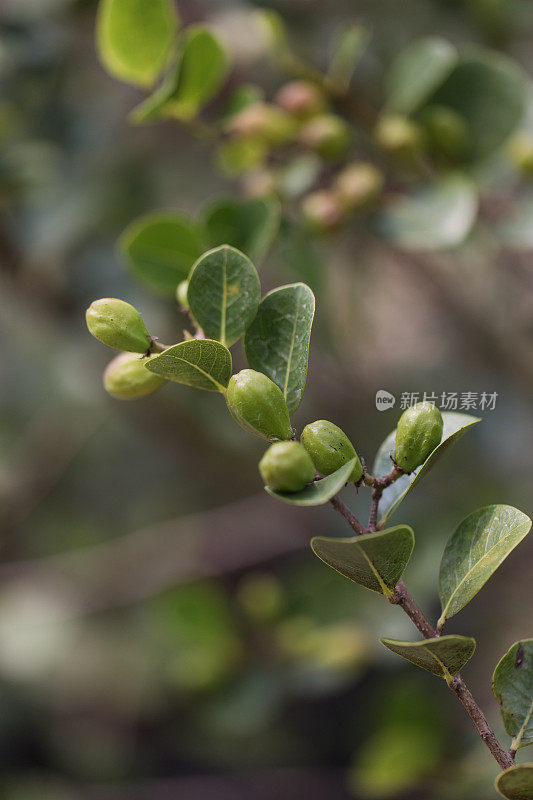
287 467
301 99
263 121
400 137
330 448
181 294
520 151
118 325
126 377
358 185
446 131
327 135
418 433
322 211
258 405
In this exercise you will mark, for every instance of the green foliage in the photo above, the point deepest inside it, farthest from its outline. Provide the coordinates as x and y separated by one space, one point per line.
516 783
512 684
134 38
320 491
417 71
350 47
443 656
224 293
374 560
249 225
455 425
277 341
160 249
477 547
435 216
202 363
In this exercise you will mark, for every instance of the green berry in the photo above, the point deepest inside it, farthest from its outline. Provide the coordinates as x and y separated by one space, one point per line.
265 122
520 150
127 378
330 448
418 433
258 405
446 131
181 294
287 467
358 185
118 325
328 135
301 99
400 137
322 211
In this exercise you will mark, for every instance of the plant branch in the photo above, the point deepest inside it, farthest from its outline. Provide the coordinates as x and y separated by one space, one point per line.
403 598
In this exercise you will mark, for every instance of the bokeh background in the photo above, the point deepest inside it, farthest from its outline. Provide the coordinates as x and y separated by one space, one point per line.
165 630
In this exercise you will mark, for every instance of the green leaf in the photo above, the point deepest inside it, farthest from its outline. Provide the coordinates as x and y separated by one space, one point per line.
438 215
201 363
516 783
277 341
318 492
455 425
224 293
249 225
512 684
374 560
352 44
488 90
417 72
134 37
475 550
443 656
160 249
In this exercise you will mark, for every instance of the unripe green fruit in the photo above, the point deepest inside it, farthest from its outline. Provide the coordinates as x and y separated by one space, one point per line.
117 324
323 211
446 131
330 448
181 294
127 378
260 183
328 135
263 121
400 137
520 151
301 99
418 433
287 467
358 185
258 405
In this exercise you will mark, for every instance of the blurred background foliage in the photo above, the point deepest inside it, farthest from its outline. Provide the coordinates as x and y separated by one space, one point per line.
164 628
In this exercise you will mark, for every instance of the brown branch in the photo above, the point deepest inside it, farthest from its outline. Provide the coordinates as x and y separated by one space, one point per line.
357 527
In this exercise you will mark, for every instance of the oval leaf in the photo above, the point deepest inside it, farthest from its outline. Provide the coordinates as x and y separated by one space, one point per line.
417 72
318 492
134 38
352 44
374 560
249 225
277 341
201 363
516 783
512 684
439 215
443 656
455 425
489 91
475 550
160 249
224 293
